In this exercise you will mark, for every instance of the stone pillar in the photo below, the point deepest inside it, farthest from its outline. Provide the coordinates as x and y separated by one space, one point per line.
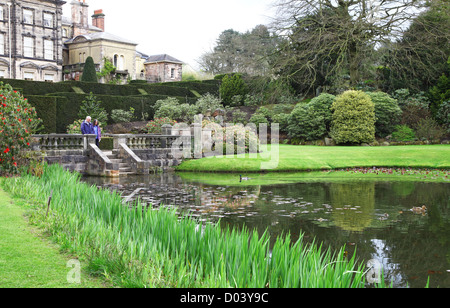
196 133
118 139
166 130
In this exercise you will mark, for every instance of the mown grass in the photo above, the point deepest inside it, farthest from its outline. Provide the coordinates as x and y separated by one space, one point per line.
142 247
310 158
348 175
27 259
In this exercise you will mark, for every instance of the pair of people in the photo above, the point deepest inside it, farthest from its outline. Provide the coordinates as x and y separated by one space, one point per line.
88 128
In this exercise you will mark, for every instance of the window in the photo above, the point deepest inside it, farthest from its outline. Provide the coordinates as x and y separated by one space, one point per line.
48 20
120 63
28 47
65 32
48 50
28 76
2 16
49 77
172 73
2 73
28 16
2 43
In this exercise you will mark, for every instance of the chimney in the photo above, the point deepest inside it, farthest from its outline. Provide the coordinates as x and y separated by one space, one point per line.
80 17
98 19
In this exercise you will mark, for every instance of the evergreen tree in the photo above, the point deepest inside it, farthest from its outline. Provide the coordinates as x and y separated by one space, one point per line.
232 85
92 107
89 73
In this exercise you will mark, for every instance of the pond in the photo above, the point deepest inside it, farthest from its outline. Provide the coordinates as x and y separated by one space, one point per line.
372 217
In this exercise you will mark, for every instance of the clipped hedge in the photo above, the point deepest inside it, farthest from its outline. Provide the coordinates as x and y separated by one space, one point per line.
38 87
182 89
58 104
46 110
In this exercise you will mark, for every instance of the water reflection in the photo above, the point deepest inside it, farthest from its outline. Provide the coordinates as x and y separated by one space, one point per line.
372 217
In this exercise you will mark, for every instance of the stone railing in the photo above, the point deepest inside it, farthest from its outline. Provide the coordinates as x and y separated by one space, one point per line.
144 141
56 142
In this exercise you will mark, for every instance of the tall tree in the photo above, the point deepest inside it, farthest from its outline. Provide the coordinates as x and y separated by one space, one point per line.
419 58
237 52
329 38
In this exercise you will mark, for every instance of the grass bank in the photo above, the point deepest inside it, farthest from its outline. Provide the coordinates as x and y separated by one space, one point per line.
141 247
27 259
347 175
290 158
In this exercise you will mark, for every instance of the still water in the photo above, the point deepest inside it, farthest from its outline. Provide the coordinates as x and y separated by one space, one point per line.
372 218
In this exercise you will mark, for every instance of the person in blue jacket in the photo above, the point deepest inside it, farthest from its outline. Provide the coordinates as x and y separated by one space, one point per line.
86 127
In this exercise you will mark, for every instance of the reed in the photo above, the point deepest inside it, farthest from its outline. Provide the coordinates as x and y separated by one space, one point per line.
145 247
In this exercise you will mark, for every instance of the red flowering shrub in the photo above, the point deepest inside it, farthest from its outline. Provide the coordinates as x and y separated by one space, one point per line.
18 118
154 127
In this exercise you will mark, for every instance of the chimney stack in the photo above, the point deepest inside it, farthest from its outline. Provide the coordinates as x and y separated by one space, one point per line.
80 17
98 19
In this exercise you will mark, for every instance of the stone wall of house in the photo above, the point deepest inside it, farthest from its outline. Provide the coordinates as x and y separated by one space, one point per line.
163 72
32 41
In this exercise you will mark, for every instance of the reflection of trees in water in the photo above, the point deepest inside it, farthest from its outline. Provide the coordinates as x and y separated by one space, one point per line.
421 244
353 205
413 246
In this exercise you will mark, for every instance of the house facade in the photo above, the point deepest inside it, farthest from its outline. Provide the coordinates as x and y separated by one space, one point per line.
30 39
38 43
163 68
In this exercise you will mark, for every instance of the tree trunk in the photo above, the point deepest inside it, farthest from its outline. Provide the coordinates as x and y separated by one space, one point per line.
354 63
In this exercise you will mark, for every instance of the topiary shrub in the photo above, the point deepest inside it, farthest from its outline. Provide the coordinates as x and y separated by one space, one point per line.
89 73
353 119
387 113
18 121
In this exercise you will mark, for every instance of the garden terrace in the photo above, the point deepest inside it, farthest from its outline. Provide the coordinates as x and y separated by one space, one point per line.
57 104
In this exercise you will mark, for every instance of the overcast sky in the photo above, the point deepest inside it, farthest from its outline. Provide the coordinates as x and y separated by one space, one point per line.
184 29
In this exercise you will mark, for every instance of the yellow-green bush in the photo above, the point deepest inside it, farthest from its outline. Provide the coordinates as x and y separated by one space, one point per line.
353 119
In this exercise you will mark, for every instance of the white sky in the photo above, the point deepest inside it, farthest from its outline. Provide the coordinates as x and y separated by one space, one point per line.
184 29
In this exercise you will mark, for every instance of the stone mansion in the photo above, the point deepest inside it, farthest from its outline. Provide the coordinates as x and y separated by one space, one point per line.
38 43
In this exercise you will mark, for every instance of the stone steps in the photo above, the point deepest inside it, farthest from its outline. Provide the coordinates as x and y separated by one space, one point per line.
124 168
160 158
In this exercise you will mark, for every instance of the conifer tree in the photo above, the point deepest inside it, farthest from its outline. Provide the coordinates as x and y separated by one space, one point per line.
89 73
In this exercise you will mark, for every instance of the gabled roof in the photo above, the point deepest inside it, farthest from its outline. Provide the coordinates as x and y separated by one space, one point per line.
162 58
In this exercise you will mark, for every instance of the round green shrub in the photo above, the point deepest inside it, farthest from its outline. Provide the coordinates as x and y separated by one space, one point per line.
311 121
353 119
258 118
403 133
387 112
232 85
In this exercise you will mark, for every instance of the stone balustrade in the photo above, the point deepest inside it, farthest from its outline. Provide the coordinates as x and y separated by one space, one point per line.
59 142
79 152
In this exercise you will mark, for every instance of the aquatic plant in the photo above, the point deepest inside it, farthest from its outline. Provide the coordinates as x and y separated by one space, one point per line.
139 246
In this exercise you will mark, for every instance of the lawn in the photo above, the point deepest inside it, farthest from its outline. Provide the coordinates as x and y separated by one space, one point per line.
28 260
292 158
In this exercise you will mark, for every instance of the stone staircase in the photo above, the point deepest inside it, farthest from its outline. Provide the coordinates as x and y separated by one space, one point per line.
124 168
